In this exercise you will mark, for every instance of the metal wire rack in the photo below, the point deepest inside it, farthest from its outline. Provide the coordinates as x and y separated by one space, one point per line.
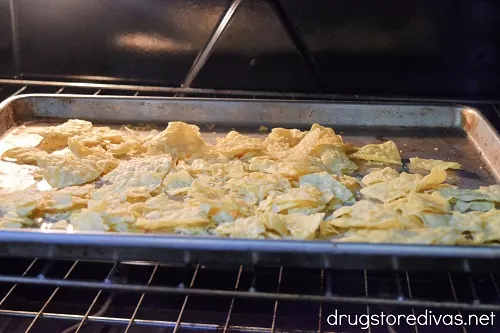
40 295
13 87
82 296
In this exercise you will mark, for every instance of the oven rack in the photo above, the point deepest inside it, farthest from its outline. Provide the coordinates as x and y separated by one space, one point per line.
13 87
127 296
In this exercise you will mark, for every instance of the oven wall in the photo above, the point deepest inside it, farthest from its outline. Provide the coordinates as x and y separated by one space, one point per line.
417 48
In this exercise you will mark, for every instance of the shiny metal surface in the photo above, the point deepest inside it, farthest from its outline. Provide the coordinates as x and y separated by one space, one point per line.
387 118
150 40
256 52
446 132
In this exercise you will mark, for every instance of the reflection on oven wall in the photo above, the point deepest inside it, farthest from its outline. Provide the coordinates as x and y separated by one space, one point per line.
423 48
147 40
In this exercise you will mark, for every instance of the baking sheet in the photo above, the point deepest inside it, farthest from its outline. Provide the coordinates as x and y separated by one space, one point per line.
456 133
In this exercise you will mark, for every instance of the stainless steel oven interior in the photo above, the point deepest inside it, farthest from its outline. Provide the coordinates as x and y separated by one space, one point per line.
296 50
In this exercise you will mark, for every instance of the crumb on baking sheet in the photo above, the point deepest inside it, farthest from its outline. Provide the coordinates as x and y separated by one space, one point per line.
263 129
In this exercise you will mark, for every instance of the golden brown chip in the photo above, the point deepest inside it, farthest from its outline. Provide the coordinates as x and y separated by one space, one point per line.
51 145
304 148
281 139
104 160
268 225
178 139
289 168
22 155
243 187
88 220
137 194
237 145
295 226
257 186
167 220
248 227
417 203
177 183
386 152
56 137
65 170
21 203
327 139
231 169
370 215
441 235
337 162
492 191
429 164
131 143
392 189
145 172
436 177
329 186
13 221
307 197
203 188
352 183
380 175
60 201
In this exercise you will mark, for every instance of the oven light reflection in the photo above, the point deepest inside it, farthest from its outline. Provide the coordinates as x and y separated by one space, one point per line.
146 42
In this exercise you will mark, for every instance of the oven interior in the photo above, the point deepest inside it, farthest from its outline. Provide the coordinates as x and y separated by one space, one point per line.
444 52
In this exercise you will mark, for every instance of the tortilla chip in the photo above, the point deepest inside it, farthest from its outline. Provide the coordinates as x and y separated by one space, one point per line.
386 152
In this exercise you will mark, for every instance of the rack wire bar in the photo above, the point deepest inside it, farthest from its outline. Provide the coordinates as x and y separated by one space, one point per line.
495 285
280 276
134 314
408 284
50 298
206 51
17 92
180 324
183 307
365 278
143 322
452 286
14 286
244 93
230 312
249 295
297 39
87 313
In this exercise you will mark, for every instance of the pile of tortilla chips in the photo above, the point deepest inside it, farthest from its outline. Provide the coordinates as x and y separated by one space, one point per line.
293 184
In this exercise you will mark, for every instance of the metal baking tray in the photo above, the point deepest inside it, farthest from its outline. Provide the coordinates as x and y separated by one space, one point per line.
454 132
